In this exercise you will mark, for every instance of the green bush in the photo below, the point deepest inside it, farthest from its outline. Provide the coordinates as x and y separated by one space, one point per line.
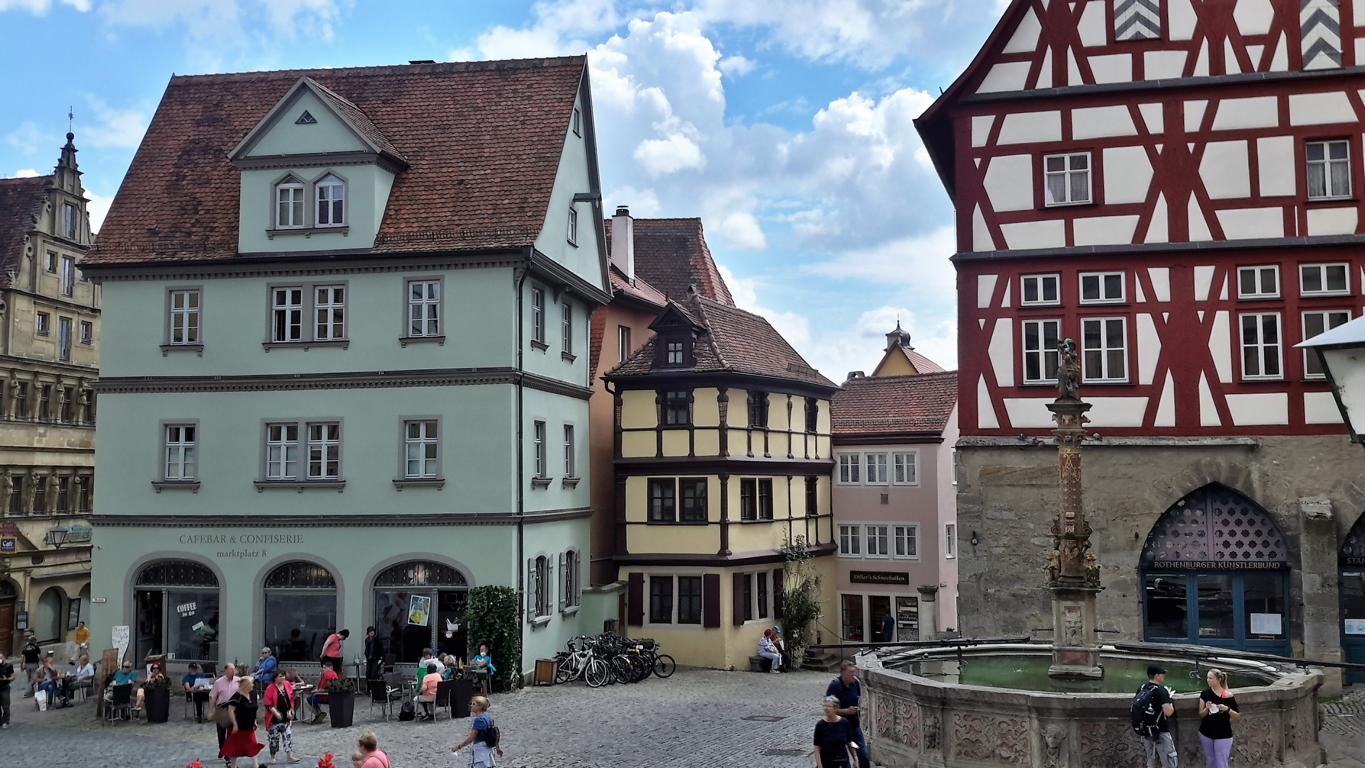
800 599
491 617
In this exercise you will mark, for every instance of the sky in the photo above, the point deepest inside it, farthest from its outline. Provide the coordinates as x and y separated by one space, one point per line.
786 125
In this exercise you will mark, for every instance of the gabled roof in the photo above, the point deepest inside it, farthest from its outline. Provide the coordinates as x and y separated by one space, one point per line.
349 114
919 362
21 202
729 340
482 141
890 405
671 254
640 289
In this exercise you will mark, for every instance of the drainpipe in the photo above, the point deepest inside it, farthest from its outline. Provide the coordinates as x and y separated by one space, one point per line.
521 451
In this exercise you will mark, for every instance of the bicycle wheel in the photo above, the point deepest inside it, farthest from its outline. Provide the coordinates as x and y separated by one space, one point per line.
597 674
564 671
664 665
640 667
620 669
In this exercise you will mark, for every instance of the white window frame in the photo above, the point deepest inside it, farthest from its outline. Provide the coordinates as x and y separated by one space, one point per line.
538 437
1039 287
900 460
180 317
1327 164
950 541
65 329
850 534
877 540
1106 376
297 203
291 312
1044 353
42 323
538 315
180 449
87 332
1321 269
283 450
1100 278
877 468
850 469
570 452
566 327
323 449
415 449
572 235
1309 356
541 594
328 300
1261 346
909 534
323 201
570 581
1065 172
424 311
623 343
1258 273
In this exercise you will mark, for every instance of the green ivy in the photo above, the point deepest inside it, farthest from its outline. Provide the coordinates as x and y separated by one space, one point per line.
492 617
800 599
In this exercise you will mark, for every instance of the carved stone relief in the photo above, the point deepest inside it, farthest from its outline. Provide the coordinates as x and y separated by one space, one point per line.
990 737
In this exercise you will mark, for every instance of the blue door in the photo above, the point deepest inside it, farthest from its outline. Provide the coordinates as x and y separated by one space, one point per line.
1241 610
1353 620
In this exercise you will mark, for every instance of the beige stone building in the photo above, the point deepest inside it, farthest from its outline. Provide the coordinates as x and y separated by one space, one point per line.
49 356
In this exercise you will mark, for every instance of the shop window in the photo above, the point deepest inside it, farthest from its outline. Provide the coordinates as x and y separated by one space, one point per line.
300 610
420 604
177 611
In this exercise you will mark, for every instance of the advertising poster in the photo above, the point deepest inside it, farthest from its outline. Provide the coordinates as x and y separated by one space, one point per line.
419 610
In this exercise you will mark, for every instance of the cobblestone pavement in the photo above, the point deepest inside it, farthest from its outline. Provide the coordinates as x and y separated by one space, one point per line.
696 719
1343 730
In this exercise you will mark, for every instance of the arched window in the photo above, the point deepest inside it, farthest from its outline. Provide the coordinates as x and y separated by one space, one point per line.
300 610
177 604
48 616
420 604
289 203
330 194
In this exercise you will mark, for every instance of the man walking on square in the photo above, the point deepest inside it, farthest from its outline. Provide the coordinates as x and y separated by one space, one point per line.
222 690
846 689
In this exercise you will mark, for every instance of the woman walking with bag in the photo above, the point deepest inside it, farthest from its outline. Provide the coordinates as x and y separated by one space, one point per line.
1217 710
483 736
241 740
279 718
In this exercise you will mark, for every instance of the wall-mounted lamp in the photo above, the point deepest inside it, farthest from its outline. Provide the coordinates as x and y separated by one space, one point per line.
974 540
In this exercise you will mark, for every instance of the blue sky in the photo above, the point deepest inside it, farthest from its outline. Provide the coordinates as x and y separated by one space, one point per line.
784 124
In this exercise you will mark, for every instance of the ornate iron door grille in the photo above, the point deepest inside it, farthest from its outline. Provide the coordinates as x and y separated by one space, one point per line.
1217 528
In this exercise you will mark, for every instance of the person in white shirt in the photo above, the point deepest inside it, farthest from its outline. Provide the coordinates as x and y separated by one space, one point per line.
768 650
85 673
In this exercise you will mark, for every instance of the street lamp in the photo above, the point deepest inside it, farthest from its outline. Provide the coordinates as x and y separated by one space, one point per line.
57 537
1341 353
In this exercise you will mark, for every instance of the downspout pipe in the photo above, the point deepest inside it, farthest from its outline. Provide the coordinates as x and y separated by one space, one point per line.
521 451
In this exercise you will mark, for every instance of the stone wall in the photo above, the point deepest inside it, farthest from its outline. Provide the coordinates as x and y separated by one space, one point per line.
1007 497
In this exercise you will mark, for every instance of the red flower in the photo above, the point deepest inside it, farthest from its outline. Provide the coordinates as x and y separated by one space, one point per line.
326 761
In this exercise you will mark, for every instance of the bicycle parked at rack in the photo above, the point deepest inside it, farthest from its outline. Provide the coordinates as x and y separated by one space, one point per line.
608 659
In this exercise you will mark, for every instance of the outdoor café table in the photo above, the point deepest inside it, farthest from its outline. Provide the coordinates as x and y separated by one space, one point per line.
301 692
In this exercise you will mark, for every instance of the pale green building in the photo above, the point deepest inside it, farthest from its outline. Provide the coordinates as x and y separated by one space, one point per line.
346 371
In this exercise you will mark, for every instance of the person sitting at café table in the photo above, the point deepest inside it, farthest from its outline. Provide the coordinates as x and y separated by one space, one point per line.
265 669
426 693
320 696
190 682
85 673
48 682
126 676
428 658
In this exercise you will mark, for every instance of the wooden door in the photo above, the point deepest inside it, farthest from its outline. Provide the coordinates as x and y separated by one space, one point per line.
7 625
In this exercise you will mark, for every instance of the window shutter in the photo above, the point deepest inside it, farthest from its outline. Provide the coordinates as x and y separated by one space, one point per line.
710 600
736 598
777 593
563 582
635 600
532 589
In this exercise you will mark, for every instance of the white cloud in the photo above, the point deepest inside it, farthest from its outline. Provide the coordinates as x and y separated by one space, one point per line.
794 327
740 230
918 261
215 29
670 154
643 203
559 29
41 7
26 173
114 128
28 138
737 66
97 208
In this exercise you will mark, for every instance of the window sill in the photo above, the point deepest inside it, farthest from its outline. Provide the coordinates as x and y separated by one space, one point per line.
305 345
197 349
1263 379
756 522
1039 383
1324 294
307 232
1102 303
406 340
539 621
540 482
1108 382
678 522
569 482
1336 200
299 485
538 345
572 243
419 482
1040 305
1260 297
568 357
1069 204
176 485
570 611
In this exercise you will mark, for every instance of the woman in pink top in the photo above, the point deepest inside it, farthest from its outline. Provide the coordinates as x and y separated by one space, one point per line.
430 681
369 747
331 649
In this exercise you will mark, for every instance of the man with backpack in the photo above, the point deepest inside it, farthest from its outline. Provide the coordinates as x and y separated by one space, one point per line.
1150 714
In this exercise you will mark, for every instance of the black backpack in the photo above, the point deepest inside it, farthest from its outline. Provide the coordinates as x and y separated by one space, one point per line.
491 736
407 711
1143 714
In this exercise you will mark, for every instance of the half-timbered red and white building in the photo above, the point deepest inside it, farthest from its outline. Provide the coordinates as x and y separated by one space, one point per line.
1176 185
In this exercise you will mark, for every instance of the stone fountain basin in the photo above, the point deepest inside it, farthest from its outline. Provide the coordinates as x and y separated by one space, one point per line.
914 720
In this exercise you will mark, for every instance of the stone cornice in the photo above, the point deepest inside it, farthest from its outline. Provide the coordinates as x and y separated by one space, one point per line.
336 521
349 380
284 264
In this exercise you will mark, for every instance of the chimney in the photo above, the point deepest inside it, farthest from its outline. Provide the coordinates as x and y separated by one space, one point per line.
855 375
623 242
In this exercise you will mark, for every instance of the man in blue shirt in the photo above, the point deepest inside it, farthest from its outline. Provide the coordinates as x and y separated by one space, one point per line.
845 687
265 670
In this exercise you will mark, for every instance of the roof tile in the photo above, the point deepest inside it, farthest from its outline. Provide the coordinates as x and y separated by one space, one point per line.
21 202
894 404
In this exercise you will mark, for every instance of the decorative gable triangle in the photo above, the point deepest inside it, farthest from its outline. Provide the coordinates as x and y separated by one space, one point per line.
359 131
306 119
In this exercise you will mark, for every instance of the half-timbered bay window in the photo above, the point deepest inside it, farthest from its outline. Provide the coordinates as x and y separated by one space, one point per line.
662 500
1259 282
183 322
756 498
1324 279
1040 351
1104 343
181 453
1329 169
673 352
330 195
812 414
289 204
1261 346
1066 178
1315 323
677 408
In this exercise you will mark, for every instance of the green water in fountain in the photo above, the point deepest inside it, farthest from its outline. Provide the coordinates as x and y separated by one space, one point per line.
1029 673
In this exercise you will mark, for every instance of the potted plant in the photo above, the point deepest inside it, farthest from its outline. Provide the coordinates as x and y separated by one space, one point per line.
157 693
341 702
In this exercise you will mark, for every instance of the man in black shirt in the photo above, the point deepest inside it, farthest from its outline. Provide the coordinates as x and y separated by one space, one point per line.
6 677
846 689
1160 750
33 656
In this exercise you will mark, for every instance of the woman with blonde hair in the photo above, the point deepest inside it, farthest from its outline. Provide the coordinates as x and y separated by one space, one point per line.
372 756
1217 709
483 735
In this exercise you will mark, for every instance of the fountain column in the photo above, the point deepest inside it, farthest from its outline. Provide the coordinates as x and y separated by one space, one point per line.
1073 575
928 611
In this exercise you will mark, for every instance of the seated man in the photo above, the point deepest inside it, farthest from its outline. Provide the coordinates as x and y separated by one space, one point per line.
427 694
318 699
48 682
126 676
190 684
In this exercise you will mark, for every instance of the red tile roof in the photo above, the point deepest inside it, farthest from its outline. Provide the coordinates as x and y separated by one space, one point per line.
641 289
731 340
921 363
894 404
671 254
21 202
483 142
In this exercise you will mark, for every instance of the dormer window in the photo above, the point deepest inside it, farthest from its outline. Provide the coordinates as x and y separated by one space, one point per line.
675 352
289 204
331 201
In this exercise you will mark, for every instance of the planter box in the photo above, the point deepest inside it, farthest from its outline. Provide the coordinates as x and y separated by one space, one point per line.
460 695
341 708
158 704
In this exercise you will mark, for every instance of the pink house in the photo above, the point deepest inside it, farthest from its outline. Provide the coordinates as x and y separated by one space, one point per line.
894 501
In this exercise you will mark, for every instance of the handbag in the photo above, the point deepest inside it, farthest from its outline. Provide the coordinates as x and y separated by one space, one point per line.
221 717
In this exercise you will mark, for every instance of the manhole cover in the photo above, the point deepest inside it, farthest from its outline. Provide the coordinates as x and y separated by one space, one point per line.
764 718
783 752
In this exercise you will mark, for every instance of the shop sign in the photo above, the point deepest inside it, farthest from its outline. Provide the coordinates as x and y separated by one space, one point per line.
9 529
1216 565
186 610
242 545
8 544
901 578
1353 562
21 620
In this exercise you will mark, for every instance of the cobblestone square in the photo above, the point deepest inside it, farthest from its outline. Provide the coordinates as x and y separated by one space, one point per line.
696 719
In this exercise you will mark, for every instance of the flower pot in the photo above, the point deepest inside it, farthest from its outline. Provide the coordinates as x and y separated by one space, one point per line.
158 704
341 708
460 695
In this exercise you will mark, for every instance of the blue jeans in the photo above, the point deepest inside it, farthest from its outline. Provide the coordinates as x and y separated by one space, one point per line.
864 760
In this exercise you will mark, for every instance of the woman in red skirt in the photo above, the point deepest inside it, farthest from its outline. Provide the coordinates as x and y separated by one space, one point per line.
241 740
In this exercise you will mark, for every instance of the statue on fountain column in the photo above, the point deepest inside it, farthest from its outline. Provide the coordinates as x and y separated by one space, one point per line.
6 489
1068 371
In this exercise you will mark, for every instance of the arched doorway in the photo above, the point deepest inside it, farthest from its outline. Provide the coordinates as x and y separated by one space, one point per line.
48 616
420 604
177 604
300 610
1351 561
1215 571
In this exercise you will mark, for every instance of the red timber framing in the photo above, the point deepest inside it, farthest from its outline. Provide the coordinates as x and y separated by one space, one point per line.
1196 141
